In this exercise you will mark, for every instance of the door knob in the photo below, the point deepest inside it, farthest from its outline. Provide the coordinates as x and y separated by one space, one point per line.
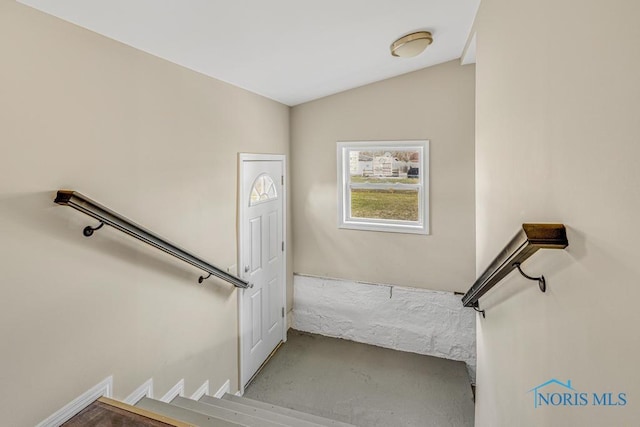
246 268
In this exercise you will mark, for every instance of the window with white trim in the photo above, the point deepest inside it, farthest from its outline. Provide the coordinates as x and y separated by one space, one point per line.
383 186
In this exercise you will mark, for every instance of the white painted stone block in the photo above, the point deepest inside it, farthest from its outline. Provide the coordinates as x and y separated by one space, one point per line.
433 323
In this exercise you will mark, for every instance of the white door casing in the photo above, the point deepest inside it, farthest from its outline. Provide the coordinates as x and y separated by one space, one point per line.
261 259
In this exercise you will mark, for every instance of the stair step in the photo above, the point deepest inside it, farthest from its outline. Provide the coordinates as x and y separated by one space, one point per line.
216 404
246 419
185 415
279 409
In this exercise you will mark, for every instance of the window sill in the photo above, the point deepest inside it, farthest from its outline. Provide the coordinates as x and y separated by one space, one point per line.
385 228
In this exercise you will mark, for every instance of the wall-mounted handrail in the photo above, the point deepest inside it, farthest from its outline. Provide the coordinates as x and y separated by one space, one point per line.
119 222
525 243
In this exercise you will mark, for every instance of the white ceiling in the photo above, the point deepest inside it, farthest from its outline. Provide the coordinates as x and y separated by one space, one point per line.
292 51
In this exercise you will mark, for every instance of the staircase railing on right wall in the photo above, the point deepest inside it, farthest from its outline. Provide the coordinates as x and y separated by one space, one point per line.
525 243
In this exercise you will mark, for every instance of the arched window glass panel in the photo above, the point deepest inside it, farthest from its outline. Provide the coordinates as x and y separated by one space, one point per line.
263 190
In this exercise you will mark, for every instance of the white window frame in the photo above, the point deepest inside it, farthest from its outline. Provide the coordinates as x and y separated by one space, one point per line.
385 225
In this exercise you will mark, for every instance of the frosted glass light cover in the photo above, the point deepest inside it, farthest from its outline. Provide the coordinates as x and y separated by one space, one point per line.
412 44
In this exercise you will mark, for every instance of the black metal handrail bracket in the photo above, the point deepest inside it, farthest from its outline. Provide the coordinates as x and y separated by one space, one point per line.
108 217
524 244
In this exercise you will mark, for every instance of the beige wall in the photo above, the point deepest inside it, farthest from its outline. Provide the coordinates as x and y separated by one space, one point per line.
435 104
151 140
557 140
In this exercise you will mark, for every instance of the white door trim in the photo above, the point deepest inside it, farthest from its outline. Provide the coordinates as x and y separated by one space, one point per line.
241 230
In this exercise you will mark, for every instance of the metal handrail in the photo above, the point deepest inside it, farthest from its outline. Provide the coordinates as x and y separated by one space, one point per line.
525 243
107 216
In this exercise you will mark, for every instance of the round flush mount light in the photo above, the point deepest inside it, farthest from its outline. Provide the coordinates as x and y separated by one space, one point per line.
412 44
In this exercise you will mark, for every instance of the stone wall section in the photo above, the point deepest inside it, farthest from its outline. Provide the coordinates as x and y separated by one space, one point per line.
415 320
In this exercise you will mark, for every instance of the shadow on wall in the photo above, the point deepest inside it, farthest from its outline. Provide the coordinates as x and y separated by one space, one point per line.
195 369
514 284
320 236
36 213
551 264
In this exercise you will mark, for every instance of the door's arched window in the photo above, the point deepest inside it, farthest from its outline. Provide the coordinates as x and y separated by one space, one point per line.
263 190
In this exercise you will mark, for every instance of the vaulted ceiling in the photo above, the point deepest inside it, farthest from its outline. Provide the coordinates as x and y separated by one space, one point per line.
291 51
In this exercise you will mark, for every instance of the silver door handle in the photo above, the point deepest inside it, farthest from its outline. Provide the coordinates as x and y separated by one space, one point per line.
246 268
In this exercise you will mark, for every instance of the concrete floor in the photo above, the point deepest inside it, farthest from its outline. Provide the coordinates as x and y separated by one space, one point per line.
365 385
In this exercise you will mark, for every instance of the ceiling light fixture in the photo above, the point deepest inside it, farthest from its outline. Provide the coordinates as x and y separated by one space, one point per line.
412 44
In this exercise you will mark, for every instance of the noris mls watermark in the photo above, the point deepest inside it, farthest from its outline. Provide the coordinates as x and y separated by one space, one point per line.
557 393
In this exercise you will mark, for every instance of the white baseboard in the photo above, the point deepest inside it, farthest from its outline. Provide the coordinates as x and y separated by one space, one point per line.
201 391
103 388
145 390
238 393
175 391
226 388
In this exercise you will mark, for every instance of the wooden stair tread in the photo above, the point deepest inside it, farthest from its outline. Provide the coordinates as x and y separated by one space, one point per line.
106 412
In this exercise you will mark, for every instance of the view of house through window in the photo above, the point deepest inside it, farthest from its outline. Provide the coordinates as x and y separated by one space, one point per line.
382 185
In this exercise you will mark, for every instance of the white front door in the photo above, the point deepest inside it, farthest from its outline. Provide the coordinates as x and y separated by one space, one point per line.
261 259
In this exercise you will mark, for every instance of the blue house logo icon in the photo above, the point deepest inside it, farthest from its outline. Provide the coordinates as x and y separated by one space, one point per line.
556 393
554 399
